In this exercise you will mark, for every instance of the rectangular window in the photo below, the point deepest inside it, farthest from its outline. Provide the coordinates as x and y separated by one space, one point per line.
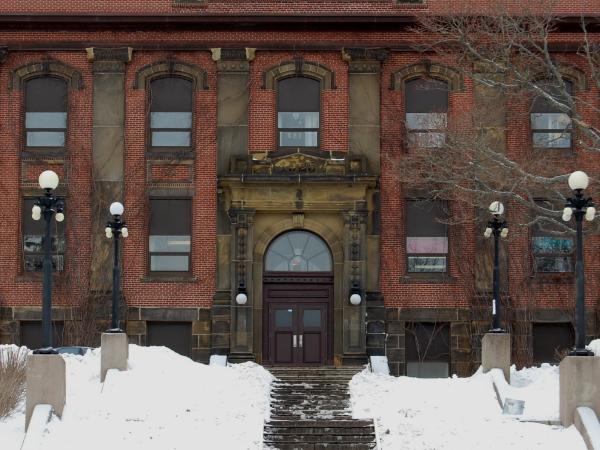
551 253
171 113
31 333
298 116
426 236
174 335
427 350
33 241
45 112
170 235
426 104
551 126
551 341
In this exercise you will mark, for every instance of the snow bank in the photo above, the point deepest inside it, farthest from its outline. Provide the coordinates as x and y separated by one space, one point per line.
164 401
595 347
450 414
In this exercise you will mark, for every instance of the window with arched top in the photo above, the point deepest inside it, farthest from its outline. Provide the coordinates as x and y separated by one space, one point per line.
426 108
45 112
551 118
170 113
298 251
298 112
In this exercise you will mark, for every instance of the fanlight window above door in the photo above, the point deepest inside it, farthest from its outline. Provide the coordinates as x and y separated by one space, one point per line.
298 251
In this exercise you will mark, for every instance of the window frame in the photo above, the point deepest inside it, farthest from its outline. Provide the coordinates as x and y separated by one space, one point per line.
27 213
414 131
280 130
24 129
169 149
567 131
535 232
170 273
408 273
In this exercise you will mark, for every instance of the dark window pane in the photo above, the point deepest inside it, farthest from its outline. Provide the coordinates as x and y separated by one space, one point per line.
169 263
171 138
298 251
312 318
175 335
299 94
45 139
33 240
551 341
171 95
553 263
426 96
46 94
170 217
283 318
423 219
298 139
426 264
171 120
541 104
31 333
427 342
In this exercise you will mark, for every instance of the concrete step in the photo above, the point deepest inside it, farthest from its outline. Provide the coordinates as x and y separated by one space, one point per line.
318 446
322 438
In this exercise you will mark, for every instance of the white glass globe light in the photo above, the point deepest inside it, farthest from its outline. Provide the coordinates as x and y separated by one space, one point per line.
108 231
567 213
124 232
488 232
116 209
48 179
241 298
497 208
578 180
59 217
504 232
590 213
355 299
36 212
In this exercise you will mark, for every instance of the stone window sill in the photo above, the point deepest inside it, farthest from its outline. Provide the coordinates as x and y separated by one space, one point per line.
36 277
427 278
552 278
169 279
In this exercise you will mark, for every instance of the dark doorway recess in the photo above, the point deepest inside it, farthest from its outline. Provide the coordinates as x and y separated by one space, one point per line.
175 335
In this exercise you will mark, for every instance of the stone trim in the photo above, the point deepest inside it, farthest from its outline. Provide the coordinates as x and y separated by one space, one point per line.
159 69
299 67
46 67
573 74
427 69
365 54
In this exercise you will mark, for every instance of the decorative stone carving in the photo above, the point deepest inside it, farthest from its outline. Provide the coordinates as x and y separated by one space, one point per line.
427 68
365 54
241 221
46 67
299 67
121 54
171 67
300 163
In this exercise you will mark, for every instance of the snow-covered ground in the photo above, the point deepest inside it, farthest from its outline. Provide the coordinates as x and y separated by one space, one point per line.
164 401
464 413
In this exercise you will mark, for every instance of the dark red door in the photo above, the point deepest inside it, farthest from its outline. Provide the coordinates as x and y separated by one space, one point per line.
298 320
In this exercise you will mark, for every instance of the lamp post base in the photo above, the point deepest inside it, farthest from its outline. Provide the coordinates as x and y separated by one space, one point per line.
581 352
114 353
495 353
46 383
497 330
45 351
579 385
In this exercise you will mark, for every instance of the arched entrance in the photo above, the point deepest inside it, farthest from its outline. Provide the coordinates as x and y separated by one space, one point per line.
298 300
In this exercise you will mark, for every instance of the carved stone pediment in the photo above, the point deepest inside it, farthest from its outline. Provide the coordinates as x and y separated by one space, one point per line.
300 163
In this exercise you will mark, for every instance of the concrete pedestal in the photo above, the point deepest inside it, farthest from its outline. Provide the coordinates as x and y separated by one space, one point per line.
114 353
495 353
46 384
579 386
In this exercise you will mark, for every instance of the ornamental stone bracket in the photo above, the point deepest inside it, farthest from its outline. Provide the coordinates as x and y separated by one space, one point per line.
233 59
107 60
365 60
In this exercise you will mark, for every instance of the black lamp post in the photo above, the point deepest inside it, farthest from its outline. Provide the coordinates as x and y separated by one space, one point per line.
116 228
498 228
580 207
47 206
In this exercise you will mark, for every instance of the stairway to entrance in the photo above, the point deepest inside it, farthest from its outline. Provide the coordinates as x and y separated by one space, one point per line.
310 410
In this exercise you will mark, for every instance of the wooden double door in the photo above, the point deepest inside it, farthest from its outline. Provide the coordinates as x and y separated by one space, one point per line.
299 320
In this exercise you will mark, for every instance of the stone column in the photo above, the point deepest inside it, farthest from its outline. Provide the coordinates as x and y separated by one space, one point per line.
579 385
242 221
355 227
108 145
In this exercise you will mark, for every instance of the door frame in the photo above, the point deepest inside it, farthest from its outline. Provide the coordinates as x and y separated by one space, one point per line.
297 279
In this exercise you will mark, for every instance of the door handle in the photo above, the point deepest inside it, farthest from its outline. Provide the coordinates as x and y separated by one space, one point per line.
294 341
300 341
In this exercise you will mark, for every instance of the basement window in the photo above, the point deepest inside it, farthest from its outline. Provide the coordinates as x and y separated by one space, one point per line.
175 335
427 349
551 341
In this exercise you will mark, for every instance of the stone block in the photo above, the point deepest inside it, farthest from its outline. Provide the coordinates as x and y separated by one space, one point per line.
375 340
201 355
204 340
200 327
114 353
136 327
375 313
220 340
220 326
579 381
391 314
395 355
495 353
170 314
392 341
46 384
377 326
394 327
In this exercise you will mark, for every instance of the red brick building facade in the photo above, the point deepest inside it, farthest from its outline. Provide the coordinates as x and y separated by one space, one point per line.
243 183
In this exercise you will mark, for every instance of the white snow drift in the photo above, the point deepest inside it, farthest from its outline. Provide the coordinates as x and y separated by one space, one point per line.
164 401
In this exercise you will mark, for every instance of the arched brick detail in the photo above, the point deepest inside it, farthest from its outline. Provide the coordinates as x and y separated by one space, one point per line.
573 74
299 68
159 69
427 69
49 67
